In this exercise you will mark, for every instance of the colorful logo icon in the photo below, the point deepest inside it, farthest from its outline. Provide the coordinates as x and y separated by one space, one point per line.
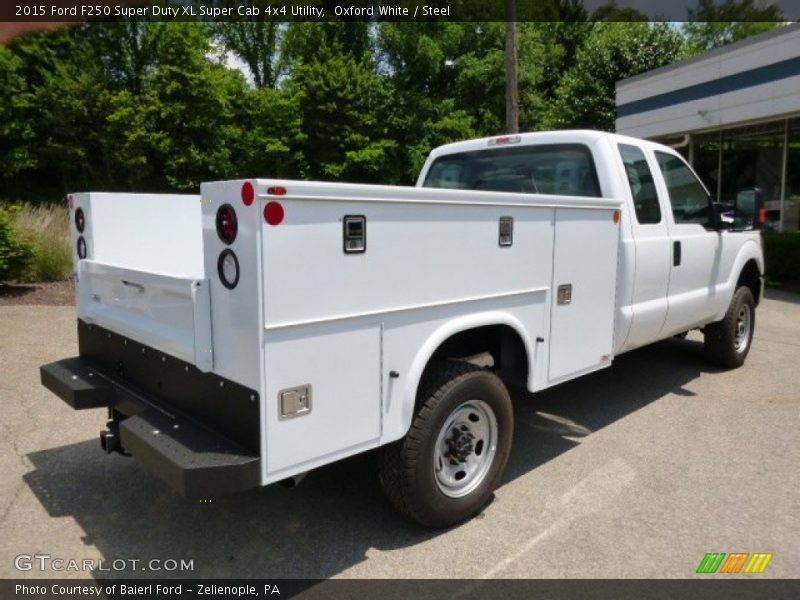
736 562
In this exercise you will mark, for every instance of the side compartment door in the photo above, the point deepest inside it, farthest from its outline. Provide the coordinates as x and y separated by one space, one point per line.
584 283
652 243
695 246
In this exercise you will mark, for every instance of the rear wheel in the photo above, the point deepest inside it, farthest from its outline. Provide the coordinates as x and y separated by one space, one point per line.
728 341
452 458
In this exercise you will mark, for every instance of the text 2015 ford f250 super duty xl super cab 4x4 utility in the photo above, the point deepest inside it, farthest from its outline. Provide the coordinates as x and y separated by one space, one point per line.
267 327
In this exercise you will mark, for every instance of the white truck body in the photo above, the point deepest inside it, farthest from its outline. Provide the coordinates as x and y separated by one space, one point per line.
333 344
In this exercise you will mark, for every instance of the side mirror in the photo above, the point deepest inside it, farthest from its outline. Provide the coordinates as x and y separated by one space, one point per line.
723 213
748 209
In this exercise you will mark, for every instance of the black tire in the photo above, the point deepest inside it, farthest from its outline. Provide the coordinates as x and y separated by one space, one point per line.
406 467
725 344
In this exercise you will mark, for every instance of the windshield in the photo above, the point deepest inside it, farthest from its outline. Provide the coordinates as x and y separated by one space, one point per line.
564 169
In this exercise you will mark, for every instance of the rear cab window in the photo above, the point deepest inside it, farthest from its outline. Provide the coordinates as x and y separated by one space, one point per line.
555 169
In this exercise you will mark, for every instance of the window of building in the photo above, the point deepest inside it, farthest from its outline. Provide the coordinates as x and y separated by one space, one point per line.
640 180
791 201
753 157
687 196
705 160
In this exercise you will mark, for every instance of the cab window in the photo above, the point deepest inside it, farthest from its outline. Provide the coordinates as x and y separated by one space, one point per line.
640 180
687 196
563 169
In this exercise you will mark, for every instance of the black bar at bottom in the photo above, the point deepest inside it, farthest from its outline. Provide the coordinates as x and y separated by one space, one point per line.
716 587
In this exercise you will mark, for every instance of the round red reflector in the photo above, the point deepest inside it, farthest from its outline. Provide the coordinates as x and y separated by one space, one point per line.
273 213
248 193
227 226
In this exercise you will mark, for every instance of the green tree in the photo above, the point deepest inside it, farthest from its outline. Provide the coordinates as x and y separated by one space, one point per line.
127 51
585 97
714 25
271 125
180 130
436 74
612 12
340 103
15 251
16 123
54 115
258 44
304 41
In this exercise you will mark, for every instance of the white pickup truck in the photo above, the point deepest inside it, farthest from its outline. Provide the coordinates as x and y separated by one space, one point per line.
267 327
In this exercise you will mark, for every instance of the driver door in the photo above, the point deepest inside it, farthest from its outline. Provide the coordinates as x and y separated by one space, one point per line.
695 246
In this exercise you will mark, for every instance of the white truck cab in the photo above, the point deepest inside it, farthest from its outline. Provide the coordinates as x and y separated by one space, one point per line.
268 327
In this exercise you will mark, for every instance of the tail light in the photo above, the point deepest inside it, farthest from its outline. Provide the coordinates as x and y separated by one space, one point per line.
227 226
80 220
228 268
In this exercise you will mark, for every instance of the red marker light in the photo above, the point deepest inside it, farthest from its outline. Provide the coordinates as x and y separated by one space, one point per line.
277 190
505 139
71 201
617 216
227 225
273 213
762 215
248 193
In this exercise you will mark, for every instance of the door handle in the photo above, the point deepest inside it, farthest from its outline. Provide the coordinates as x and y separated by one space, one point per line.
676 254
137 286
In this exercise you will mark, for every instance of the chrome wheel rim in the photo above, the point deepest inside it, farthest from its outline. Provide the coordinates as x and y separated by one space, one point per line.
465 448
744 322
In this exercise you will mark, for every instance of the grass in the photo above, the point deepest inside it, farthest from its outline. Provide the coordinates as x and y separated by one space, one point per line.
46 226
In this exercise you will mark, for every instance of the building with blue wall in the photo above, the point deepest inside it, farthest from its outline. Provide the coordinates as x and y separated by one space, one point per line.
734 113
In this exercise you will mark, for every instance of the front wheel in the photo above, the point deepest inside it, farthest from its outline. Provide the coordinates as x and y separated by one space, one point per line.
728 341
454 455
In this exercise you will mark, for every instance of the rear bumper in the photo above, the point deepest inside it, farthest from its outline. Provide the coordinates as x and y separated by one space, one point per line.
189 456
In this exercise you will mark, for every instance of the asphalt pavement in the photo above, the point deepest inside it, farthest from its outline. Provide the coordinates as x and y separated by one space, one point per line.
635 471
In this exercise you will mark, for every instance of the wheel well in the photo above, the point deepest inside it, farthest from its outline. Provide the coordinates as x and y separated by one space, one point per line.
501 342
751 277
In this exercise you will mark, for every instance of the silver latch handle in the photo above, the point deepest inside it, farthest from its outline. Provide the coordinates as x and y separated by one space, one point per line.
139 287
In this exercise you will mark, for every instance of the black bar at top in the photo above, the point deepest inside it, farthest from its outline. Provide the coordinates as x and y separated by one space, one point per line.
362 10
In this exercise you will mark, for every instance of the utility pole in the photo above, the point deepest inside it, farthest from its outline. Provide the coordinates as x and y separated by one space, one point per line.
512 86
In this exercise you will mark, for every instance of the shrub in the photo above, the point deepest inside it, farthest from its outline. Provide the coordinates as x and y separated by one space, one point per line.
782 257
47 228
16 252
